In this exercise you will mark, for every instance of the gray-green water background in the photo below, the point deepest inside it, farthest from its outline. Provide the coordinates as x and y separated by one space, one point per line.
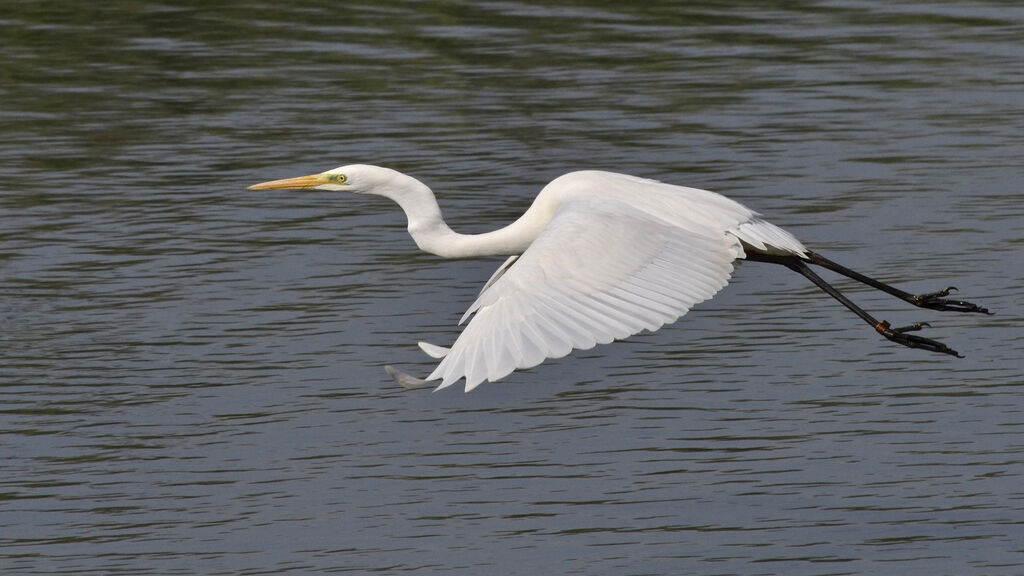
191 374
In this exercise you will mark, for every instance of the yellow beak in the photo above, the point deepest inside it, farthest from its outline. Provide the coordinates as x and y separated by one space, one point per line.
300 183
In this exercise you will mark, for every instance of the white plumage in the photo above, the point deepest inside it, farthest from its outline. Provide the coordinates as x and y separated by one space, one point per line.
601 256
565 291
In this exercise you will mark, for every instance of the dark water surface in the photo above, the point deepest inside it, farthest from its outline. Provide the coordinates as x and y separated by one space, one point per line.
192 374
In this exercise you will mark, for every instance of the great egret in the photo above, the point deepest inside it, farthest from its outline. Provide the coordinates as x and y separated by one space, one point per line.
597 257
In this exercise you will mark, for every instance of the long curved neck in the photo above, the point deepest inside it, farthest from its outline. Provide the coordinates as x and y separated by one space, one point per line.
430 232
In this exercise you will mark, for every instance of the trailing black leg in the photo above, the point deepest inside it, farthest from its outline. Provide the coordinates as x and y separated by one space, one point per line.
897 335
932 300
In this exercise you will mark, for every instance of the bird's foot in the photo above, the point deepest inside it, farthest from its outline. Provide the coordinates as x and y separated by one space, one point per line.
900 336
938 301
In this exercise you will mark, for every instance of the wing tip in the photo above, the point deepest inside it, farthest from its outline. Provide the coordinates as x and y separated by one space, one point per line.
403 379
433 350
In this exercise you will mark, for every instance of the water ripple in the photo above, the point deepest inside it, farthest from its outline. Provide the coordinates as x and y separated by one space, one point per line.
192 374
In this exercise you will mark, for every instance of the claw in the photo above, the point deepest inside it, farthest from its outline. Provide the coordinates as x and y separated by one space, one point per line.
913 327
944 292
900 336
937 301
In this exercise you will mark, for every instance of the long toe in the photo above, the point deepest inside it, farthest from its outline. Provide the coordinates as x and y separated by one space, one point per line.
938 301
900 336
913 327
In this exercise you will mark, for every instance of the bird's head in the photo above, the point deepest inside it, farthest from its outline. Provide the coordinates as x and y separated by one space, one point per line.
357 178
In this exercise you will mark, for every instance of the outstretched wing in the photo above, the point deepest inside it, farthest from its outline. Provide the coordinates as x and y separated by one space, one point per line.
600 271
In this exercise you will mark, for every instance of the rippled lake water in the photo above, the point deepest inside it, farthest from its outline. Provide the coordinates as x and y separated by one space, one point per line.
192 374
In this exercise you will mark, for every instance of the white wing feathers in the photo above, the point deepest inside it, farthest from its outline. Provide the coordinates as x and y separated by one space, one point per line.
433 350
494 277
600 271
768 237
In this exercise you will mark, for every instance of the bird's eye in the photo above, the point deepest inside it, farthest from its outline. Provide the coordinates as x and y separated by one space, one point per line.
337 178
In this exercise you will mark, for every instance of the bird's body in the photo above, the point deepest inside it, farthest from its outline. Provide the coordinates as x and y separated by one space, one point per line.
614 196
598 256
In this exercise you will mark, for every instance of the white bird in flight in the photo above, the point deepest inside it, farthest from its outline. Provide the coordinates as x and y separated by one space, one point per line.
597 257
